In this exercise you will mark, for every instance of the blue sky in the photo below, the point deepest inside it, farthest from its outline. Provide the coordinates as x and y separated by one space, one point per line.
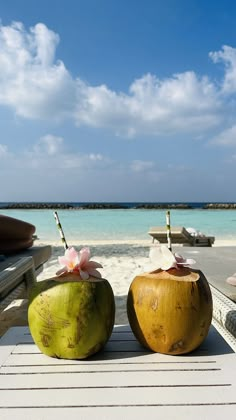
129 100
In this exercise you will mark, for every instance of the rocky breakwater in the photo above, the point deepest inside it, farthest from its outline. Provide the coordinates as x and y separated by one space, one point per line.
64 206
162 206
220 206
36 206
102 206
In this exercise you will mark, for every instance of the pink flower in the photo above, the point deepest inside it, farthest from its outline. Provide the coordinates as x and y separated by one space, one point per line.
79 262
70 259
184 262
163 258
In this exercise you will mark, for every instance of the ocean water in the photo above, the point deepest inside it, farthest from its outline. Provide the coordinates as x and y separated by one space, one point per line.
127 224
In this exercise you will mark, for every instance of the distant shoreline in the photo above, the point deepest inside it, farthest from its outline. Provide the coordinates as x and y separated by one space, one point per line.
116 206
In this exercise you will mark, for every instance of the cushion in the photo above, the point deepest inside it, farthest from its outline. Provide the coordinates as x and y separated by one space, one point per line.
12 246
15 228
15 235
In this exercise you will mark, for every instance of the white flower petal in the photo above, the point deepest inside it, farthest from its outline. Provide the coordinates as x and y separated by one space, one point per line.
168 258
162 257
155 256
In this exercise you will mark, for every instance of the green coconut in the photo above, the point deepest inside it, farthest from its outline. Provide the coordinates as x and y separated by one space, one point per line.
170 311
71 318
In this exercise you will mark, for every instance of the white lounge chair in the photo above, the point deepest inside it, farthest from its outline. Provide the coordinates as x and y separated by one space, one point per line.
180 235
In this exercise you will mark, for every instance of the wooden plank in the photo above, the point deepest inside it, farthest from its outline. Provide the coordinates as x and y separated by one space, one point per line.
121 358
118 396
8 342
195 365
15 273
215 412
99 379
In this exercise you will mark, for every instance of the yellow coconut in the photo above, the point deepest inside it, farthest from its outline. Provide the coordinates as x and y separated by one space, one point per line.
170 311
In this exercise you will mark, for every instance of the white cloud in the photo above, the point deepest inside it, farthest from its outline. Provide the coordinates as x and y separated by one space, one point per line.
226 137
94 176
49 144
3 151
228 56
38 86
31 82
95 157
141 165
181 168
183 103
84 161
49 154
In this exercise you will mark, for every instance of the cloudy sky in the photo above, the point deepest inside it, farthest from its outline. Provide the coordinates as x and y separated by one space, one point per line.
129 100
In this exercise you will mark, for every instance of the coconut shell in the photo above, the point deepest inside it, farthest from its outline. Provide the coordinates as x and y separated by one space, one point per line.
71 318
170 311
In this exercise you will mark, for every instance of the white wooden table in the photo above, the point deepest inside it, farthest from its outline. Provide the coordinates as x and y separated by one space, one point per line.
124 381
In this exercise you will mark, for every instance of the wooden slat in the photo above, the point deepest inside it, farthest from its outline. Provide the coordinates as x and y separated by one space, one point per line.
213 412
109 397
195 365
12 275
123 380
15 279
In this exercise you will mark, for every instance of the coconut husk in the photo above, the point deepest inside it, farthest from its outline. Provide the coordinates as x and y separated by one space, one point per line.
177 274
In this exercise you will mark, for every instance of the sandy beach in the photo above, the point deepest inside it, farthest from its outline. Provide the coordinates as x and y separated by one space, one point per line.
140 242
122 261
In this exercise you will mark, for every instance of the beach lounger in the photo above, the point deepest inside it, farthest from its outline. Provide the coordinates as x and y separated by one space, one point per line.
20 261
19 271
180 235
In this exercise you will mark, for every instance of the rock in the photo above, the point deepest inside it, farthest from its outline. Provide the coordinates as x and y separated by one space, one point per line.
163 206
62 206
220 206
102 206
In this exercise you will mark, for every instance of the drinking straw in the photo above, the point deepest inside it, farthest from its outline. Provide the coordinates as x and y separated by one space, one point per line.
168 230
60 230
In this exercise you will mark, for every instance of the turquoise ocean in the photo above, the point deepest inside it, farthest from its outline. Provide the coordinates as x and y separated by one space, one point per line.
124 224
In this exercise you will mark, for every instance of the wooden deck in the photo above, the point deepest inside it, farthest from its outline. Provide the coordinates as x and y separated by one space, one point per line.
122 381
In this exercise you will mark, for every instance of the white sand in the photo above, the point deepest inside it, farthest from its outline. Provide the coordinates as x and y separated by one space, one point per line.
141 242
